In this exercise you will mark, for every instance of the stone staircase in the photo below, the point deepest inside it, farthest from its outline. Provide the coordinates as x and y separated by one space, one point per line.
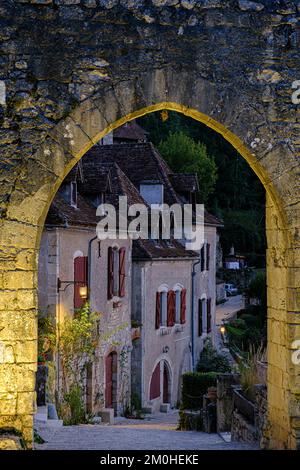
47 416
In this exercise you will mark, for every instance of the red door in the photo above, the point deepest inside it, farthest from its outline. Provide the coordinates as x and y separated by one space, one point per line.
109 381
155 383
166 385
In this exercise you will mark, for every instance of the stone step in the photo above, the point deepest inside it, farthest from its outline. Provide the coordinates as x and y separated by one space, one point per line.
41 414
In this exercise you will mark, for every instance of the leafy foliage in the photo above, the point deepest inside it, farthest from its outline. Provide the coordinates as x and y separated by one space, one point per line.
80 337
194 386
78 341
258 289
46 337
249 375
74 400
185 155
211 361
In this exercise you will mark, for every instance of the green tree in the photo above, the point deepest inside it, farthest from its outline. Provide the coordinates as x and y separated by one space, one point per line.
185 155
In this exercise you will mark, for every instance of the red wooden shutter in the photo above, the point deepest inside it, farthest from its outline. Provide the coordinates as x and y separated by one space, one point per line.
155 383
157 311
208 308
183 306
207 256
110 273
80 279
171 308
122 258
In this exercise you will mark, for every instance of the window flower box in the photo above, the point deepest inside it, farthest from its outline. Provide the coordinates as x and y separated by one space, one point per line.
178 328
164 330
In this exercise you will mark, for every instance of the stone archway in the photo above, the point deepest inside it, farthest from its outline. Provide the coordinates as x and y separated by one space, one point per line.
235 97
22 281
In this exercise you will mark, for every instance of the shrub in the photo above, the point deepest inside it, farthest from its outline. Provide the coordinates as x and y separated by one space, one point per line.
211 361
75 403
249 372
194 386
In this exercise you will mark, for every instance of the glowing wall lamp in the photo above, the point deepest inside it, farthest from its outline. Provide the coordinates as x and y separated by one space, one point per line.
83 289
83 292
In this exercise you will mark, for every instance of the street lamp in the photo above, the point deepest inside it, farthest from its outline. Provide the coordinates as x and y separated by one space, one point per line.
222 330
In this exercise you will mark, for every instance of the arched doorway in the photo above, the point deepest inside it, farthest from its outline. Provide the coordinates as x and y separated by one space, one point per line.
111 371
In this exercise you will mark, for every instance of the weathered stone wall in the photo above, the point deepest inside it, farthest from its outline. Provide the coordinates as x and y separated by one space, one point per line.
259 432
71 70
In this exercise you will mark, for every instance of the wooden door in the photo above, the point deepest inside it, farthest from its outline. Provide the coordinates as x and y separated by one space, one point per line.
166 385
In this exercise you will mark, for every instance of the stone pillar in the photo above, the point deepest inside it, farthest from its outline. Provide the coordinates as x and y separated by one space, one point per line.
283 328
225 401
18 327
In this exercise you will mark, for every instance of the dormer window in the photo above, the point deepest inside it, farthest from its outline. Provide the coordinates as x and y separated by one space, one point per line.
73 193
152 192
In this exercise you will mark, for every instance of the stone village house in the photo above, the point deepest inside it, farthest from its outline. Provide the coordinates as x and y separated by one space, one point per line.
146 283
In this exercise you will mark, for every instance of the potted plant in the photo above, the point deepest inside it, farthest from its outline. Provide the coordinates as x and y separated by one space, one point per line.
135 330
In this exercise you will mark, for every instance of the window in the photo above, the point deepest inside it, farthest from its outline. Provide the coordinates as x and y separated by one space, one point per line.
73 193
80 279
116 272
161 309
152 192
207 256
200 317
208 313
177 305
202 257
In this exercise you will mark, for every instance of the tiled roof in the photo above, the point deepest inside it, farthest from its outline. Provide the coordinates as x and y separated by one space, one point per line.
95 179
61 213
120 169
184 182
130 131
152 249
140 162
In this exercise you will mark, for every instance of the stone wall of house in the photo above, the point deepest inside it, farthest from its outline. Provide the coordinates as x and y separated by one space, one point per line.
205 288
72 70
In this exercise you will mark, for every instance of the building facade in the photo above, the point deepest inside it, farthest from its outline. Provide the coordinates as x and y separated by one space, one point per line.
153 287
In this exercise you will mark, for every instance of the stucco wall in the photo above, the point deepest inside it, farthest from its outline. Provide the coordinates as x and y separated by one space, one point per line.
205 288
152 275
68 244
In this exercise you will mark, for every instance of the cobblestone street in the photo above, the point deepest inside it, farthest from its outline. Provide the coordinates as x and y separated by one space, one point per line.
156 432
